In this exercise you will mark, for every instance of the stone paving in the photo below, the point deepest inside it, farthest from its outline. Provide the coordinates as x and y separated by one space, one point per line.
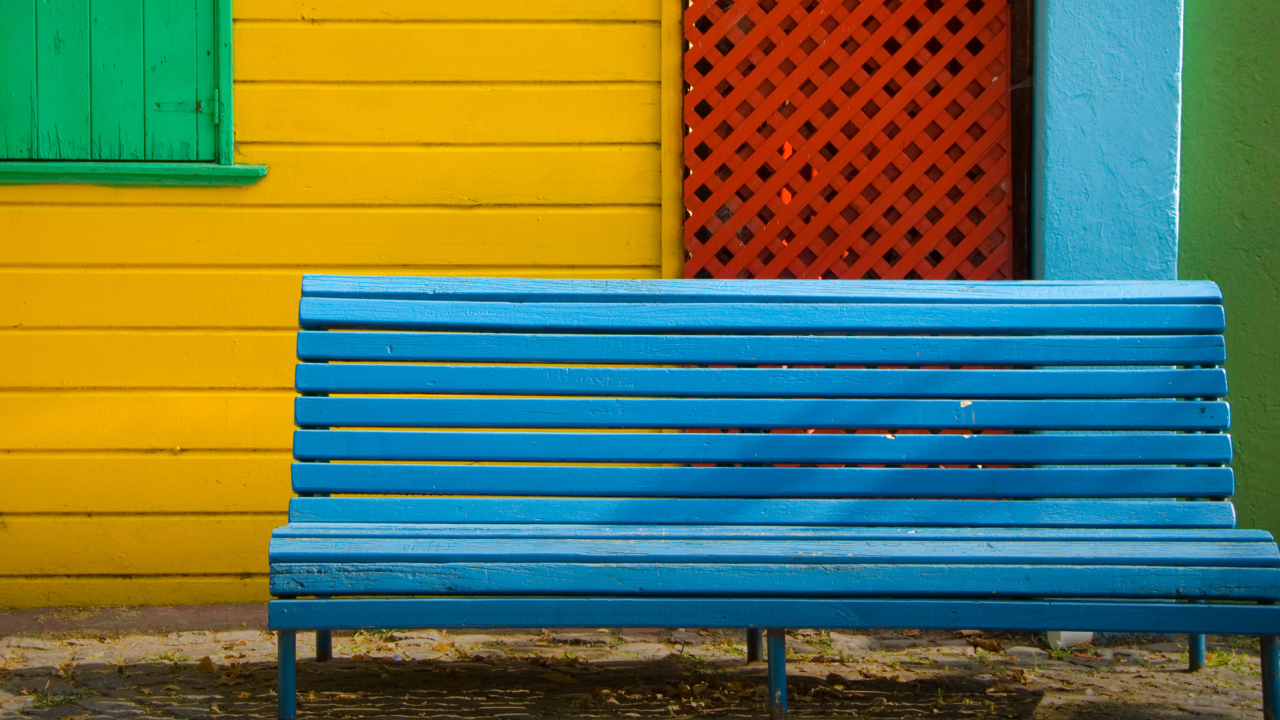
601 673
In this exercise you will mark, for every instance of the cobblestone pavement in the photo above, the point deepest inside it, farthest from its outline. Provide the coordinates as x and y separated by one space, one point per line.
619 674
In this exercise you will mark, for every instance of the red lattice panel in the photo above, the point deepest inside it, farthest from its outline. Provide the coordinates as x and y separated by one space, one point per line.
848 139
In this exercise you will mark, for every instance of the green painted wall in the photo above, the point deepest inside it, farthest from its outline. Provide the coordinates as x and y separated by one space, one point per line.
1230 229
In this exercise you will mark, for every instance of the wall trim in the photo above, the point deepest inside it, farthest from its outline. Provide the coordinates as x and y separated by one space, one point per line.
1108 131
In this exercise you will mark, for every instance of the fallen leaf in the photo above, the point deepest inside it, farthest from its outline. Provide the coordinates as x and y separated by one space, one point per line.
243 695
1023 675
999 688
910 633
968 633
986 644
559 677
207 665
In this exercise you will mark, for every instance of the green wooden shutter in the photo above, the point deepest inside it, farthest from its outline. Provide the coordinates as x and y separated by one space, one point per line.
108 80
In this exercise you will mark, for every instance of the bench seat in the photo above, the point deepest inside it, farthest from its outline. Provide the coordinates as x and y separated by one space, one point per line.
539 453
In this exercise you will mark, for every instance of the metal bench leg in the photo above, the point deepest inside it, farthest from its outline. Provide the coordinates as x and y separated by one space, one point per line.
755 645
286 659
1195 652
1270 647
324 645
777 674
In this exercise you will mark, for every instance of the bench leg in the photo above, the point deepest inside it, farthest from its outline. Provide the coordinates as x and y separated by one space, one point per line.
755 645
777 674
324 645
1270 647
287 663
1195 652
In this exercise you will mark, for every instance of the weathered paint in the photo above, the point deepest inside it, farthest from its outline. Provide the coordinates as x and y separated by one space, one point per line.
1231 220
1108 110
150 330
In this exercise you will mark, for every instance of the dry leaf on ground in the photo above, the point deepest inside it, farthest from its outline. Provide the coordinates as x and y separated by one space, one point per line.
986 644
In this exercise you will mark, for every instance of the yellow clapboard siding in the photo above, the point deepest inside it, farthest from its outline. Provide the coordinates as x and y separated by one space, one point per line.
186 482
441 114
42 592
154 420
135 544
131 359
448 52
159 299
165 298
392 10
522 238
371 175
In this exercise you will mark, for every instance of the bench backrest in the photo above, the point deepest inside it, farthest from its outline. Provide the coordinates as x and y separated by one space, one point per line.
481 400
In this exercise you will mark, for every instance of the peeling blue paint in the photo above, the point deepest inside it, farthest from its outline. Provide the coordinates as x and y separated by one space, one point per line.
1108 139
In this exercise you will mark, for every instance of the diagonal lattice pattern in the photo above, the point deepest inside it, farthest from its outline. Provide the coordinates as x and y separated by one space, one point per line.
848 139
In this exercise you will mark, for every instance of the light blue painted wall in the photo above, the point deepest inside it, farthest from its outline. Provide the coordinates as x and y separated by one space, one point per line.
1108 135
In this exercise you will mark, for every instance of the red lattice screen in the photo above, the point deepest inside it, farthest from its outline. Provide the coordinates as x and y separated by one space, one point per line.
848 139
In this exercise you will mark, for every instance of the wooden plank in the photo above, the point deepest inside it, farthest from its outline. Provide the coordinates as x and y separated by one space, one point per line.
767 350
364 175
74 359
135 544
62 80
762 318
758 382
401 10
611 447
418 52
173 421
765 580
761 532
553 290
577 114
169 79
34 299
206 79
18 81
641 511
181 482
826 551
760 612
515 238
117 68
555 480
21 593
740 413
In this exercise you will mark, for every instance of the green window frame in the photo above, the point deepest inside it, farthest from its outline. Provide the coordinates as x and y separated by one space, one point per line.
118 92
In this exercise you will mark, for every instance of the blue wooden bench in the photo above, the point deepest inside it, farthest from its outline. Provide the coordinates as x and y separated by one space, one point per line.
558 453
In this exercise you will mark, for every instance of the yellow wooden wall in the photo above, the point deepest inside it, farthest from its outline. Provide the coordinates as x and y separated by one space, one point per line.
147 334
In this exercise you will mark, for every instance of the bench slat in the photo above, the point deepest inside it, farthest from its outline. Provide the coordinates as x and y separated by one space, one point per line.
763 580
763 532
753 611
763 350
593 447
790 551
759 382
762 319
554 290
588 481
723 413
706 511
